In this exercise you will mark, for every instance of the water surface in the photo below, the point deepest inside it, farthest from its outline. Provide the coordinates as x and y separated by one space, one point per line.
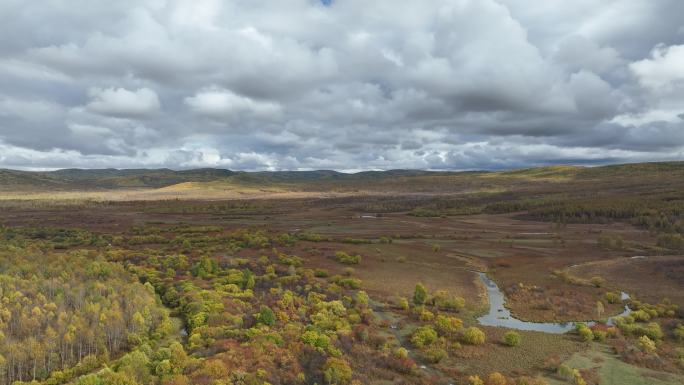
499 315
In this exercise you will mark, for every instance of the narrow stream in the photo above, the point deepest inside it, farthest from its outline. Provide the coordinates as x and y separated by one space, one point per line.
500 316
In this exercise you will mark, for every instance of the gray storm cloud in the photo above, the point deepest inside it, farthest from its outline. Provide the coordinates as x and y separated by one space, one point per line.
297 84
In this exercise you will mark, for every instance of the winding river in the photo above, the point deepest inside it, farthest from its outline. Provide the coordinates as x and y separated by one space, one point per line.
500 316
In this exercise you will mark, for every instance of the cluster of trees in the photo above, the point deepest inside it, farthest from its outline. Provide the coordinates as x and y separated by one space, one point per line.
48 238
60 310
661 213
425 212
267 319
671 241
649 336
441 332
248 320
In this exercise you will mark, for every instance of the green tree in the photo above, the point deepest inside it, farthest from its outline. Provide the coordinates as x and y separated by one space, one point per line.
420 294
249 279
135 365
337 371
118 378
178 357
215 369
401 352
448 326
599 309
266 316
647 345
362 299
403 303
316 339
679 333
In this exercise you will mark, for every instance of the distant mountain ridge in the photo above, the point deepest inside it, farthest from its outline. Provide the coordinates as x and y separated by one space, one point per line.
94 179
156 178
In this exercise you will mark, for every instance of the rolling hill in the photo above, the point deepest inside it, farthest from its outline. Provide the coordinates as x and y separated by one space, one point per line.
664 173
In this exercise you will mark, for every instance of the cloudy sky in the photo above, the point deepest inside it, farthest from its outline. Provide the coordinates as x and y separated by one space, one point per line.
343 84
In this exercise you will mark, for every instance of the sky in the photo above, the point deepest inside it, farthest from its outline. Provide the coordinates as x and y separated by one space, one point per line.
345 84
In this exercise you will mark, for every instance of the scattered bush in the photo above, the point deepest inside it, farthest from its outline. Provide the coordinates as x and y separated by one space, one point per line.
321 273
474 336
586 334
653 331
424 336
613 297
512 338
448 326
611 243
386 240
600 335
597 281
496 378
290 260
647 345
403 304
444 301
401 352
641 316
577 378
434 354
570 374
425 315
349 283
530 381
565 372
401 364
423 212
671 241
679 333
347 259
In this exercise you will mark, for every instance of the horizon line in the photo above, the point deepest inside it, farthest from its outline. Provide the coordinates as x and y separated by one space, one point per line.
349 171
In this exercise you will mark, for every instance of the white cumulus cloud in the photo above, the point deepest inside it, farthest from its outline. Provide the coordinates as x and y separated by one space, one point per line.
221 103
124 103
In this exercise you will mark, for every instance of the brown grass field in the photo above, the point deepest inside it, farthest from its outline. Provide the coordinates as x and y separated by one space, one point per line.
516 252
543 266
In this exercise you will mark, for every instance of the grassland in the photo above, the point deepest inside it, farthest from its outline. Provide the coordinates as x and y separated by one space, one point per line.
542 234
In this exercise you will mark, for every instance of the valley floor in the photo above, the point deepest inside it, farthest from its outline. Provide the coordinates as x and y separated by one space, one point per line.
551 272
